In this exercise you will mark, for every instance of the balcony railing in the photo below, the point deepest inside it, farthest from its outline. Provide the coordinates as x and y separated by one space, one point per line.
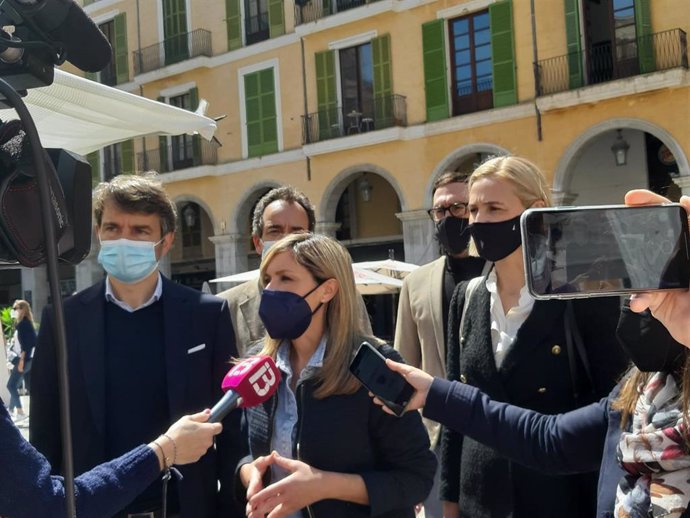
180 156
173 50
338 122
609 61
311 10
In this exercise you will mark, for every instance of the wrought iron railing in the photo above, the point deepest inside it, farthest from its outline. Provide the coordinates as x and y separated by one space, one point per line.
173 50
180 154
256 28
608 61
311 10
336 122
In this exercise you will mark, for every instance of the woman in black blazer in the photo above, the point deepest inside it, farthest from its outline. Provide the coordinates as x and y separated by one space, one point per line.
23 343
549 356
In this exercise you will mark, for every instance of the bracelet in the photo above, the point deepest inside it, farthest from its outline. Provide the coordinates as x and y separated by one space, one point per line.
165 459
174 448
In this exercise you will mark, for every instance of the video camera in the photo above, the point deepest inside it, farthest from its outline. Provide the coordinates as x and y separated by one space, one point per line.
36 36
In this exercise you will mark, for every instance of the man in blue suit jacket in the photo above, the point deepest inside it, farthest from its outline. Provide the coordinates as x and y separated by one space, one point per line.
142 352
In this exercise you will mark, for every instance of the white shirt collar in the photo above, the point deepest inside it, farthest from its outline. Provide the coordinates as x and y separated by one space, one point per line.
110 296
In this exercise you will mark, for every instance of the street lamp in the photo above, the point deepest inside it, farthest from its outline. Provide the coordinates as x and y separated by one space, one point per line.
189 215
365 188
620 149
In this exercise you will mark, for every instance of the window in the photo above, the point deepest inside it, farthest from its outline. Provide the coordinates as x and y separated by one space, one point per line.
256 21
175 31
191 231
112 161
357 86
182 147
472 68
260 112
108 74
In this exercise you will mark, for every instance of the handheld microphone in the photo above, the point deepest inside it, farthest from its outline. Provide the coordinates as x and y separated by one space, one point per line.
86 47
247 384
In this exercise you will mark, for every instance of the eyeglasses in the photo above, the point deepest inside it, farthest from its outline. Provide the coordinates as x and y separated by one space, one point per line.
457 210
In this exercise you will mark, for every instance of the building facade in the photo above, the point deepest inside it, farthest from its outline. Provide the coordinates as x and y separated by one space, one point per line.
361 104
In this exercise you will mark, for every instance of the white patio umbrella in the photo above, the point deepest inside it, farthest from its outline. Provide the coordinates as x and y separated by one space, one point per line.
368 282
389 267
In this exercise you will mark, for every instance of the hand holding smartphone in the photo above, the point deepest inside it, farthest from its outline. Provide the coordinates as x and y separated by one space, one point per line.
369 367
573 252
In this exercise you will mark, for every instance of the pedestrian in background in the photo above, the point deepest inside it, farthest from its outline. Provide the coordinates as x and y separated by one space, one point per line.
20 355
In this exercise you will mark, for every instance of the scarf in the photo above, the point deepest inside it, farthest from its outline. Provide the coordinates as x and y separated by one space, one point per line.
654 455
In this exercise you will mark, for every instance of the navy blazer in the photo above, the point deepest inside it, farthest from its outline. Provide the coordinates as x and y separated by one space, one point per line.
191 319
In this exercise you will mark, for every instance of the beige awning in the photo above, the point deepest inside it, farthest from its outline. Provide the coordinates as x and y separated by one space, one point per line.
82 116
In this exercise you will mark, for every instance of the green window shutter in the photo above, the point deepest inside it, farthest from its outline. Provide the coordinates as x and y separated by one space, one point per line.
162 148
503 53
573 43
196 139
175 31
260 107
435 79
233 22
327 95
645 40
93 76
127 157
94 160
276 18
383 81
120 52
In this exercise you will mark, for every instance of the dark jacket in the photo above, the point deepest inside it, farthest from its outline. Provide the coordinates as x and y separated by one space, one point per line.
27 488
535 374
199 343
350 434
27 337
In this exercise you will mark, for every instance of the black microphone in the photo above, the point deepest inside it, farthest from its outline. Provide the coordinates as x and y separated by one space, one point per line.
86 47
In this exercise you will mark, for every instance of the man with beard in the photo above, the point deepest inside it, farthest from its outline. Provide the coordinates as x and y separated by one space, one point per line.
420 334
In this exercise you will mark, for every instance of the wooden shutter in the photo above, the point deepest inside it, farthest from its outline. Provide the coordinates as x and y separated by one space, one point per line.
162 149
233 22
573 43
383 81
175 31
260 107
94 160
196 139
435 79
121 52
276 18
127 157
645 40
327 95
503 53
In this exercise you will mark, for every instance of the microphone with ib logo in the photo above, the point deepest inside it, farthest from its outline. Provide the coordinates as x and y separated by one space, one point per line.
247 384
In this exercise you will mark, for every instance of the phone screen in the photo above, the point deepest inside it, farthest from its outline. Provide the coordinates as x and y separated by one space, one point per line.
605 250
369 367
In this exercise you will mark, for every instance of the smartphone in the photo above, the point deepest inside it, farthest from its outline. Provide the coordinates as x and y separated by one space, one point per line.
369 367
573 252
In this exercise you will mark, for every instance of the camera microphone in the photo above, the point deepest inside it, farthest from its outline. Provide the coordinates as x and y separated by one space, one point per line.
249 383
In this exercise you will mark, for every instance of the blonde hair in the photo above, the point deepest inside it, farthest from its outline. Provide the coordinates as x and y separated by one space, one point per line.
325 259
529 183
24 305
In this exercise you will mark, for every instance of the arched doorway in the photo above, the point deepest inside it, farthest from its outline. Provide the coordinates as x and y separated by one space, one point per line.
192 257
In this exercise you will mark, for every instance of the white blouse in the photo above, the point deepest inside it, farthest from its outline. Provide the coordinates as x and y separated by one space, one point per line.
505 326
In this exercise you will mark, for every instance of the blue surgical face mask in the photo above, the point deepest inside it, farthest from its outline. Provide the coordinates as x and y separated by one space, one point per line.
267 245
285 315
128 261
14 314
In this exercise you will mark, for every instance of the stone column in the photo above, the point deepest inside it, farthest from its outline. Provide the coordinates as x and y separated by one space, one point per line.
35 288
418 237
89 272
231 254
327 228
684 183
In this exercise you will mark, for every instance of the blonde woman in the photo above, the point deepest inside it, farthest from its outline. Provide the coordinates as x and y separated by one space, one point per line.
22 348
517 350
326 449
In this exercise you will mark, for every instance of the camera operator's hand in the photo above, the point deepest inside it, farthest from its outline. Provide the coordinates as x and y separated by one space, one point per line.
671 308
420 380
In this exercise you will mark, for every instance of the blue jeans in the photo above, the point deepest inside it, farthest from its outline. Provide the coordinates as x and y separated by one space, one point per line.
13 387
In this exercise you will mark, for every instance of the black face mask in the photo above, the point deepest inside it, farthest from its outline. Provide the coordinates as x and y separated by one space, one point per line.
496 241
648 343
453 235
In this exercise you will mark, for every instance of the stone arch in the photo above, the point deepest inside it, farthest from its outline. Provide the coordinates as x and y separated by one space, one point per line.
562 177
242 211
457 155
337 185
191 198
